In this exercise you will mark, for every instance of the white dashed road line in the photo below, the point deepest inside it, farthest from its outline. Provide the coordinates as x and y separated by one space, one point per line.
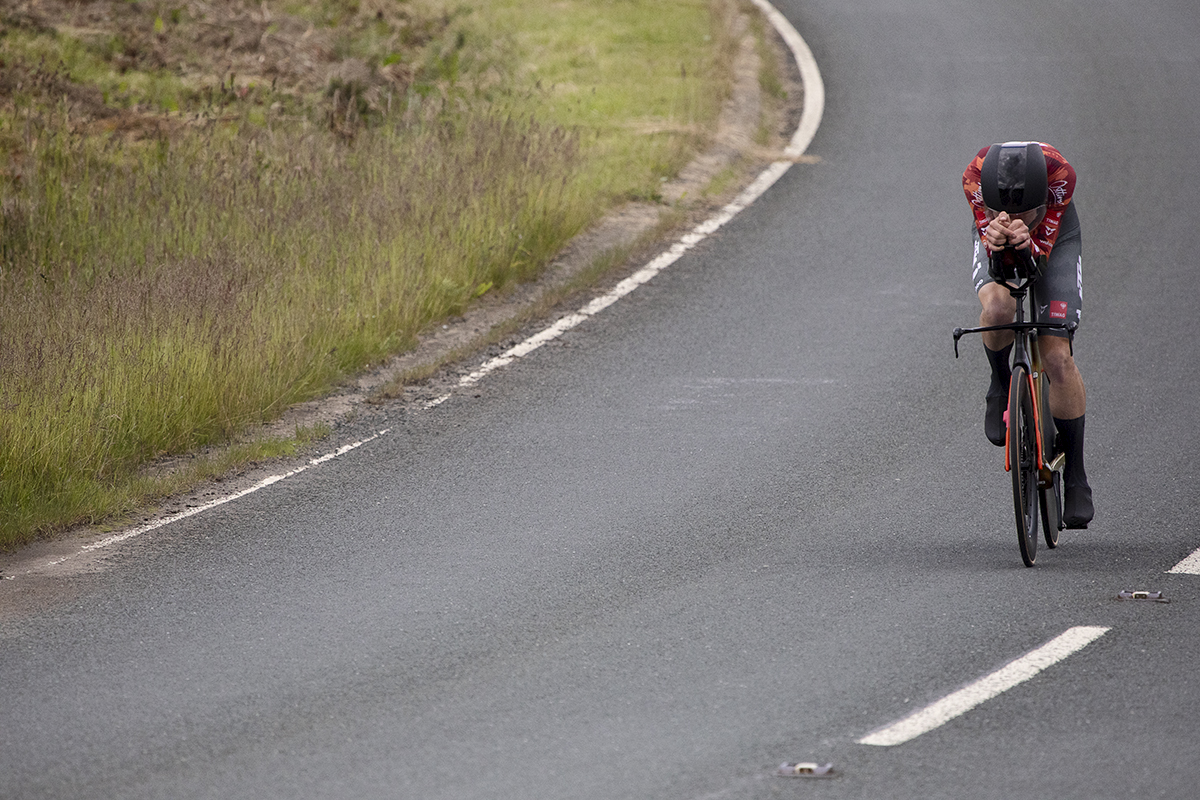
1189 566
987 687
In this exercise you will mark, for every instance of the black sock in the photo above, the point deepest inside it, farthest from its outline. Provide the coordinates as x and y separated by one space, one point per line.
1070 439
1001 371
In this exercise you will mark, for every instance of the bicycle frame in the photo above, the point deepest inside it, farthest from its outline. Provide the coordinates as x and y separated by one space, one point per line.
1030 430
1026 353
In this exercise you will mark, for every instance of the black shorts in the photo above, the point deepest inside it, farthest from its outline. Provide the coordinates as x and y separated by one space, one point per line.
1058 294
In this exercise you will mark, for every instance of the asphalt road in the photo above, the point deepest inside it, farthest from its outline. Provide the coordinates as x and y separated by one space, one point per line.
745 516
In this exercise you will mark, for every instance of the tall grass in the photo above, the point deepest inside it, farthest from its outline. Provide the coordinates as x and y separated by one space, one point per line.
161 294
168 302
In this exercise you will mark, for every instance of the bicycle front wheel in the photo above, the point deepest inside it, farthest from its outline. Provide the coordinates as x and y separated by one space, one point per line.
1022 459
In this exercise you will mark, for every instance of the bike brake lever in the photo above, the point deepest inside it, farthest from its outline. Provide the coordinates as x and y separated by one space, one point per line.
958 333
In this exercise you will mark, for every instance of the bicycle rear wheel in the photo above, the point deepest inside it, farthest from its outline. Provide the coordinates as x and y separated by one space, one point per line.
1022 455
1051 502
1049 493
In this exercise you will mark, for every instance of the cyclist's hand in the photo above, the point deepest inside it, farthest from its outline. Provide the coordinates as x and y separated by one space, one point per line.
1005 231
996 234
1018 234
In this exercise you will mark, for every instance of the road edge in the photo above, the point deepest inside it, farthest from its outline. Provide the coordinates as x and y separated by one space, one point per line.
79 551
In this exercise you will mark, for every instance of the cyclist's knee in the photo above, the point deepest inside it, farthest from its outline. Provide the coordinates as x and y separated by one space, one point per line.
998 305
1057 359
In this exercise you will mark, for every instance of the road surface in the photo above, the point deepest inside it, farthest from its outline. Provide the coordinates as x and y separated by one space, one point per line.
745 516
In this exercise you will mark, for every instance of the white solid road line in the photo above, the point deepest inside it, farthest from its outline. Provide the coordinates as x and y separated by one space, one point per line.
117 538
810 76
810 120
987 687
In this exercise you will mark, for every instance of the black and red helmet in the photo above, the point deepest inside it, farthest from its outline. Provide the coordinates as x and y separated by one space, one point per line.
1013 177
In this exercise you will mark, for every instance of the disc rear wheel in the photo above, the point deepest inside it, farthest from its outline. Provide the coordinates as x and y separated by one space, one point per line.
1050 490
1051 502
1022 454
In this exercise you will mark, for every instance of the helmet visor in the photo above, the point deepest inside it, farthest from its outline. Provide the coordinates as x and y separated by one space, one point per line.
1032 218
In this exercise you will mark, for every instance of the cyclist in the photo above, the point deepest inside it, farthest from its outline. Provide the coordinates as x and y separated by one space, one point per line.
1020 193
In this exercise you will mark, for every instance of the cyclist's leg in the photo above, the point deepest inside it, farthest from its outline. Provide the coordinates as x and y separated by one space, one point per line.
1059 298
1068 401
1068 396
999 307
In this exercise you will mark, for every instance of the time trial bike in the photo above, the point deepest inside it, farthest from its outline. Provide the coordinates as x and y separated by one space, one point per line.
1030 452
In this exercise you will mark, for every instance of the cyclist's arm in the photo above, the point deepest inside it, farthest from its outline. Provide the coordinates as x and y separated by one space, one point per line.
1061 178
970 181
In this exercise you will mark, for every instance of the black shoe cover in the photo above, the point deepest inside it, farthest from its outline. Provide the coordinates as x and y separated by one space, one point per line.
1077 507
993 420
997 394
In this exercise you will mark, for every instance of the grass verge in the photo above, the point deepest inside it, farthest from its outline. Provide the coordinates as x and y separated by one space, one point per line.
212 211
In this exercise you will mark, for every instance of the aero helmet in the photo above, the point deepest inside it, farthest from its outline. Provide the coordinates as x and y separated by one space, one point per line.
1013 177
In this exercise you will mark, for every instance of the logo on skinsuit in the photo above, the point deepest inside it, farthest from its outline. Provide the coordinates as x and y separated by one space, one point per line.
1058 309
